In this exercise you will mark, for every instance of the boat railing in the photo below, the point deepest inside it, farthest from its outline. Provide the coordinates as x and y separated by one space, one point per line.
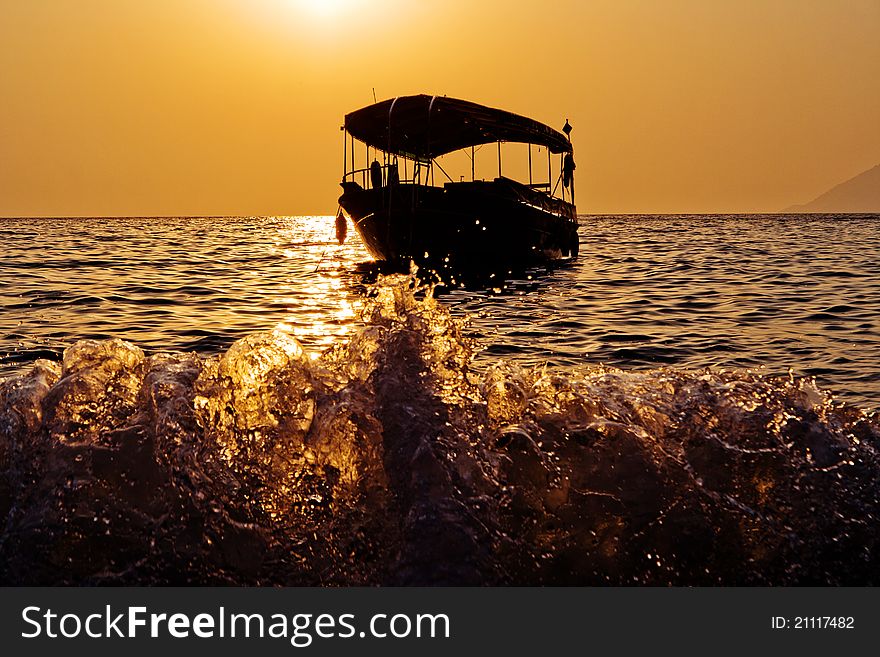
420 173
364 176
360 176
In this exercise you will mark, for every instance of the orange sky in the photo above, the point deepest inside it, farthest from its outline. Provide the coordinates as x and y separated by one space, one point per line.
179 107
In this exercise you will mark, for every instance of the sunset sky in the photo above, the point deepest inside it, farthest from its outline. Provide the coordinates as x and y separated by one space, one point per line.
180 107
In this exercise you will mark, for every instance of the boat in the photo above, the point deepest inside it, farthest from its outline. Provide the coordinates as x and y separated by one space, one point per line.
402 213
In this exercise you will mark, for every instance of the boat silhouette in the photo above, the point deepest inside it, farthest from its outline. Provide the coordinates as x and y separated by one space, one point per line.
403 215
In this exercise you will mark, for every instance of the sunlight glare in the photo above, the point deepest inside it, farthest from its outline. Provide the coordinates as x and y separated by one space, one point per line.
326 8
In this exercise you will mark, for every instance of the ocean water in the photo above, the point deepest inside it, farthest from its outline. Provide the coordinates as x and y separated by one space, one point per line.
242 400
757 291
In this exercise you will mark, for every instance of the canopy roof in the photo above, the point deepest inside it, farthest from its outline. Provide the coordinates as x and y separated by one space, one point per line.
429 126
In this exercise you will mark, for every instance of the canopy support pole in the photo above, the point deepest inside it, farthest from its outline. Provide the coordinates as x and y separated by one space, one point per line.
530 164
549 171
561 170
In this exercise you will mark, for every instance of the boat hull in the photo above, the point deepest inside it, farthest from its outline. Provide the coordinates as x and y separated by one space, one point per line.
462 225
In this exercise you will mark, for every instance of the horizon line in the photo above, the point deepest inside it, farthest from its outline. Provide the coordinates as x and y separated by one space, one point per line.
579 214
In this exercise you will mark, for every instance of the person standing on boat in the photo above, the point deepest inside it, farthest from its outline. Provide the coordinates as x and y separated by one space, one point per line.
568 167
376 174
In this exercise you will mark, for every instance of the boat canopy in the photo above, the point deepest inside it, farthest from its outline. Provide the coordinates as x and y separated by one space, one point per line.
425 127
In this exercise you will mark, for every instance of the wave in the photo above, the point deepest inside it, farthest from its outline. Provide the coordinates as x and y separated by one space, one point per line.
390 459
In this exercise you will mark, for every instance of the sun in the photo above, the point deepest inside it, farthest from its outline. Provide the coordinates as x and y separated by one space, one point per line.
326 7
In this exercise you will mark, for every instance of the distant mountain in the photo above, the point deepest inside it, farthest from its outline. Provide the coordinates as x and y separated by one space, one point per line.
859 194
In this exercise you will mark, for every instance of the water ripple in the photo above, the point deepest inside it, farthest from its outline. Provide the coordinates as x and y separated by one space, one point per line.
777 291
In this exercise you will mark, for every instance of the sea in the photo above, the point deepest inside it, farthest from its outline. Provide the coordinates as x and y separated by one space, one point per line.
244 400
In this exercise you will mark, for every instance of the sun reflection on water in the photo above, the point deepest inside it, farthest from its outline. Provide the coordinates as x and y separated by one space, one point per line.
320 307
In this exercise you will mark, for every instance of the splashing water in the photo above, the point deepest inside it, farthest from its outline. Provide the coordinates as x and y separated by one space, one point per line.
390 460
